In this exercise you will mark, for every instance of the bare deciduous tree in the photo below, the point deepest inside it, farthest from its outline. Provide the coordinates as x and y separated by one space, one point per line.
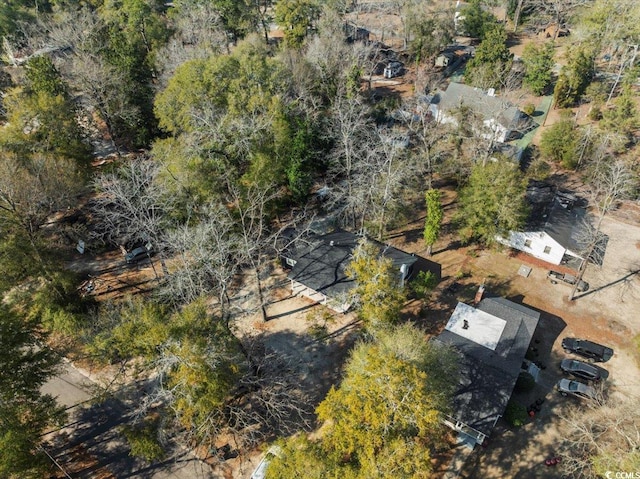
264 399
268 397
557 11
389 169
79 36
351 126
197 33
206 259
250 206
101 84
133 205
31 190
603 436
610 182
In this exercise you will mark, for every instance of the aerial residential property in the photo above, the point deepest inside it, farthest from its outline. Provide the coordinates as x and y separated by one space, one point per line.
299 239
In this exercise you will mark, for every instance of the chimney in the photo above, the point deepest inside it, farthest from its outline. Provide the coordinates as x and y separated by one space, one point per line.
479 294
465 324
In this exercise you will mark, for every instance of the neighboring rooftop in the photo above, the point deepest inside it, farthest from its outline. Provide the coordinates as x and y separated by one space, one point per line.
560 214
476 325
321 265
489 106
488 375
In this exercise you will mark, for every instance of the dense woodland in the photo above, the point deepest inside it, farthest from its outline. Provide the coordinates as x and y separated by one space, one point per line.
222 139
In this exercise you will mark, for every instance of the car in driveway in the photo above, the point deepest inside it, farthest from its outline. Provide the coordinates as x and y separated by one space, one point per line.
138 254
592 351
583 370
567 387
555 277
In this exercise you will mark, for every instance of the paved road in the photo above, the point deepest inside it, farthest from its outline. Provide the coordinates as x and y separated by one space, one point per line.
70 387
91 444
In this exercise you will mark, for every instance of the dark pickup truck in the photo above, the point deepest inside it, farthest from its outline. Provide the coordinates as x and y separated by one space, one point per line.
557 277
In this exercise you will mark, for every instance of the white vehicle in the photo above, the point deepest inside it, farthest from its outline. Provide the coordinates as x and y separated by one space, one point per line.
393 69
261 470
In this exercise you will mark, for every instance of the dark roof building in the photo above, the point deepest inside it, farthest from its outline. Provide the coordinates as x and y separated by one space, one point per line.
499 116
318 270
556 228
560 214
493 339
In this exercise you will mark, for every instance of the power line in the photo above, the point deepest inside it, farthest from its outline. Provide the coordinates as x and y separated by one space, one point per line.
55 462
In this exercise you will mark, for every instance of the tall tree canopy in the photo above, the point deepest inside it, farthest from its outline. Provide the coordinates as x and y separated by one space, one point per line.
296 17
25 365
477 22
492 203
575 76
232 106
492 61
384 419
538 61
378 291
433 222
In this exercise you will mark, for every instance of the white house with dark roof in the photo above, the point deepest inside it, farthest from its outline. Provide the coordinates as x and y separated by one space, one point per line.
492 339
500 118
555 229
318 269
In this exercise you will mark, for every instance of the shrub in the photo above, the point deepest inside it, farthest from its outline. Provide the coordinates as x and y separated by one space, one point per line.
515 414
525 382
539 169
558 143
595 113
424 283
529 109
319 320
143 441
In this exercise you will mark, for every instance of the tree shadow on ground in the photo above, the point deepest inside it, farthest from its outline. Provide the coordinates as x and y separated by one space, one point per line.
94 444
315 363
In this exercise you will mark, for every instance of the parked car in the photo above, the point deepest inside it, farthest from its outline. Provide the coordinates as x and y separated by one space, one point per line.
568 387
393 69
557 277
588 349
583 370
261 471
138 254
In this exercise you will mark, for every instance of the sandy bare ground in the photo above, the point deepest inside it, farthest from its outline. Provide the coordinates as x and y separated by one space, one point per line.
318 358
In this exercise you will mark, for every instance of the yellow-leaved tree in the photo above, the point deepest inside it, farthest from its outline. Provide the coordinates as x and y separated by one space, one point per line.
384 419
378 292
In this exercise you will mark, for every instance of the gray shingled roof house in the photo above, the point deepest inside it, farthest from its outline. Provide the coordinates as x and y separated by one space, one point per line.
492 339
318 269
555 229
501 119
